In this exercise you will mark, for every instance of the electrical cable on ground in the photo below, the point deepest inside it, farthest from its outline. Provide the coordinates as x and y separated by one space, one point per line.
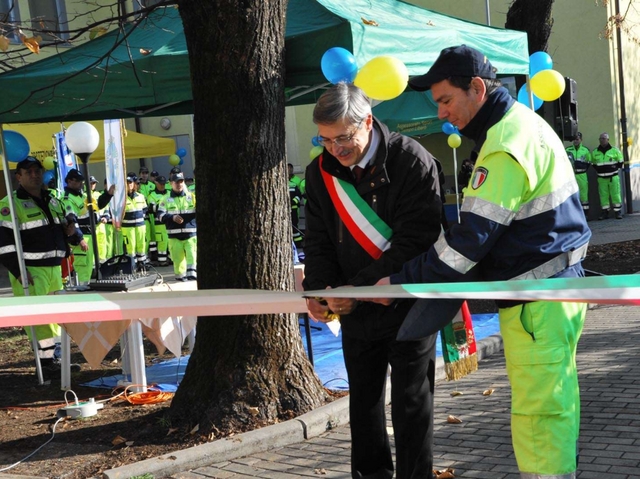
53 433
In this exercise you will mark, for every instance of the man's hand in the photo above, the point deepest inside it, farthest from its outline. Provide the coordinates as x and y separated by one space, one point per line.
83 245
112 189
178 219
384 301
342 305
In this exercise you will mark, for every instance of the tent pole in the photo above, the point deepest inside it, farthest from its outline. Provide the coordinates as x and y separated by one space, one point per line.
19 252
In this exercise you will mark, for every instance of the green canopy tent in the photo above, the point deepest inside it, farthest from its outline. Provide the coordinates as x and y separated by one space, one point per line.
143 70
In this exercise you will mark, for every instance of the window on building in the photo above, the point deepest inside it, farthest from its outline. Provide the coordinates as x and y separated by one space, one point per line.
49 15
9 19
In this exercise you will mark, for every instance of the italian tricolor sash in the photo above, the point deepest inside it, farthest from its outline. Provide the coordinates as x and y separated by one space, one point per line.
367 228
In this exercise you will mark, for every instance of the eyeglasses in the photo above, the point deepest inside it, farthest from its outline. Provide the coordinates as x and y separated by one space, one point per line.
343 140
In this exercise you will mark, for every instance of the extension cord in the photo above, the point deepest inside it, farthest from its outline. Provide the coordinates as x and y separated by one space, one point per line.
80 409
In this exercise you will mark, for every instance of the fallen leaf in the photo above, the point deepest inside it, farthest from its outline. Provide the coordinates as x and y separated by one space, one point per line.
453 420
444 474
373 23
455 393
172 430
488 392
4 43
254 411
195 429
129 443
320 471
116 441
145 51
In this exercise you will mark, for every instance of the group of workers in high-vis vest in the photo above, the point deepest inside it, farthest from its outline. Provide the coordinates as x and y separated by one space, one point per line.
607 161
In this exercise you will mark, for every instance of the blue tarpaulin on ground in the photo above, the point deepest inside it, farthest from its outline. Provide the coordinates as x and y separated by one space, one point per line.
327 358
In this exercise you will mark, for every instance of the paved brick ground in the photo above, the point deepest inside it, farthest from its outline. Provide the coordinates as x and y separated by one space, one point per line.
480 447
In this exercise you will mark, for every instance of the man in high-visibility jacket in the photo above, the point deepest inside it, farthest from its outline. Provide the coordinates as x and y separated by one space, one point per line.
521 218
580 158
161 238
608 161
75 201
177 211
45 233
133 227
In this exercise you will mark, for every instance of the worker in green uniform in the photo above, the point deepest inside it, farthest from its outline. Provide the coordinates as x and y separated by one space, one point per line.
608 161
161 238
580 158
133 226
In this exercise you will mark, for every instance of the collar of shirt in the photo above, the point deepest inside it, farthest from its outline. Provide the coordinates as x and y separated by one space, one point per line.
373 147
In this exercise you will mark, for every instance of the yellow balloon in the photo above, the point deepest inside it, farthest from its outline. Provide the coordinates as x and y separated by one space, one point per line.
548 85
382 78
174 160
49 163
315 151
454 140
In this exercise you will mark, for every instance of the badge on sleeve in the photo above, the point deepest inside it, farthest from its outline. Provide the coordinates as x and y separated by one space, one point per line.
5 211
479 177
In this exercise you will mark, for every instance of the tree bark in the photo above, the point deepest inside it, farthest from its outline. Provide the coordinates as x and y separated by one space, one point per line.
533 17
251 370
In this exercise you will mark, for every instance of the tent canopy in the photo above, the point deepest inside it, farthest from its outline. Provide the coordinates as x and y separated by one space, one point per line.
136 145
148 74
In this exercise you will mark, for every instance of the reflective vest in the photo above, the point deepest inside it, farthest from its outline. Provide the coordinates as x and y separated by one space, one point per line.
183 204
41 232
580 158
76 203
155 197
608 163
538 236
134 210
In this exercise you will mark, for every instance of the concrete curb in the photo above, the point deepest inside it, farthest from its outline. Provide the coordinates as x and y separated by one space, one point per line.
295 430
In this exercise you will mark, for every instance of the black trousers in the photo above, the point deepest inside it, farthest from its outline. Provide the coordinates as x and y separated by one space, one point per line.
412 383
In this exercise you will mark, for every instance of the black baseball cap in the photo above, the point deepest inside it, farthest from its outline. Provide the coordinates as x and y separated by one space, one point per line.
28 162
154 173
175 170
92 179
578 135
161 179
143 169
177 176
460 61
74 174
131 176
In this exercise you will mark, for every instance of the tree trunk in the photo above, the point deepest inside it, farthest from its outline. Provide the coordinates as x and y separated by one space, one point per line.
245 371
533 17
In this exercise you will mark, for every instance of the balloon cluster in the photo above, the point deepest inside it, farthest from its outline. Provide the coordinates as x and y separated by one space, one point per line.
178 158
546 84
454 140
381 78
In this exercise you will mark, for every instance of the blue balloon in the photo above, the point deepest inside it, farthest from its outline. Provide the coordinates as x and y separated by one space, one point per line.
181 152
339 65
48 176
523 97
539 61
314 141
449 128
16 146
181 161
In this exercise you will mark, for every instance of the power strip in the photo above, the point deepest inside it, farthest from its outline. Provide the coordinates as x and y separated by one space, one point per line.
80 409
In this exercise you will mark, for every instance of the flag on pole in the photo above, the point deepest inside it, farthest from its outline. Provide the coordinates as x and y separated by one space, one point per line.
459 345
66 159
115 168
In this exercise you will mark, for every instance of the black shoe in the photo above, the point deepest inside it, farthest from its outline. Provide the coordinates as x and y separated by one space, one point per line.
191 278
604 216
181 280
618 216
